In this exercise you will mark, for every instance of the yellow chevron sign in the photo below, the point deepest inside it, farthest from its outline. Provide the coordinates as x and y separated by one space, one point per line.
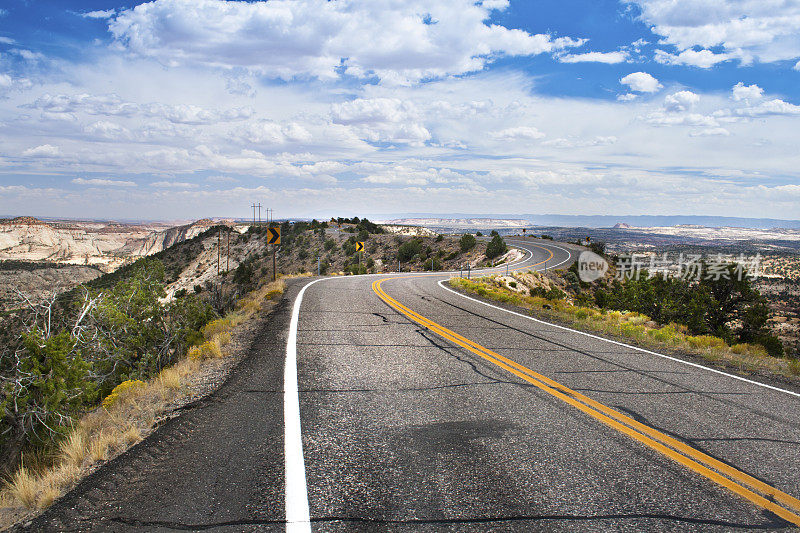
359 246
273 235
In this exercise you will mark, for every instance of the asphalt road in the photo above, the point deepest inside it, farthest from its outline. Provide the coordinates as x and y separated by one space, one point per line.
427 415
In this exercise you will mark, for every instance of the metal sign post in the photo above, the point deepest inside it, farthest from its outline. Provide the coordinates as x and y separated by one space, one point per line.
274 238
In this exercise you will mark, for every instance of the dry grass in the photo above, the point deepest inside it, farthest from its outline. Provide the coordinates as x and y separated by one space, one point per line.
24 487
73 448
123 419
635 327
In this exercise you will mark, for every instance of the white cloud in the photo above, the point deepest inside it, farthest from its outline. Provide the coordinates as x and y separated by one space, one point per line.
110 104
700 59
44 150
99 182
797 66
382 120
747 29
770 107
8 84
627 97
595 57
600 140
107 130
399 42
747 92
65 106
660 118
273 133
711 132
173 185
641 82
105 14
681 101
520 132
7 40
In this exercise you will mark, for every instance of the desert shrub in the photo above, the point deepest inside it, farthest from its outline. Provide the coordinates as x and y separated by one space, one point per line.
555 294
705 341
496 247
122 390
329 245
409 249
45 383
467 242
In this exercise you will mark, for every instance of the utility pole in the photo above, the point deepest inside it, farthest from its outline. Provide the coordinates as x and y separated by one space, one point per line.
259 213
318 265
254 214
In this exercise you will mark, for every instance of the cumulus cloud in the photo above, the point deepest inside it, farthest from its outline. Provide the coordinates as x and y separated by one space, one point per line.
681 101
746 29
8 84
44 150
692 58
641 82
100 182
518 133
610 58
173 185
771 107
110 104
67 105
408 41
107 130
382 120
100 14
746 92
711 132
272 133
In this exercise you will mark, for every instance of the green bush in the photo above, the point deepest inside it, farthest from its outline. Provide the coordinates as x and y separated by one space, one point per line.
409 249
467 242
496 247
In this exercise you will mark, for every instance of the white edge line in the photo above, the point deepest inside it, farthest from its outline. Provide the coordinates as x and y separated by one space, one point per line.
622 344
298 517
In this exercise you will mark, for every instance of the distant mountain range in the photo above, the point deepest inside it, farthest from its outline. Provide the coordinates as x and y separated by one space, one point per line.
609 221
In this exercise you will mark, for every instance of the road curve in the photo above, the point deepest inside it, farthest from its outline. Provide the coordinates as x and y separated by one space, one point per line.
400 425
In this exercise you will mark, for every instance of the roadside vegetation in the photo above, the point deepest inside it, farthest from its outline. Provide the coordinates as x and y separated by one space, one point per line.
87 373
725 321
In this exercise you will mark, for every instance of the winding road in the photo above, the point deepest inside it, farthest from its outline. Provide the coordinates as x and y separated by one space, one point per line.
392 402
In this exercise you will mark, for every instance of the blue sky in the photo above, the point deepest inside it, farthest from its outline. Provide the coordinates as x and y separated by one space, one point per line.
177 109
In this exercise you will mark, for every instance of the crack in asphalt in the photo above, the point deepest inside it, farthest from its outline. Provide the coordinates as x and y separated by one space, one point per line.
400 389
425 334
653 392
773 521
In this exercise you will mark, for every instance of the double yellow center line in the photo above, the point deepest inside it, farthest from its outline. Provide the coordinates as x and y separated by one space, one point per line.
758 492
